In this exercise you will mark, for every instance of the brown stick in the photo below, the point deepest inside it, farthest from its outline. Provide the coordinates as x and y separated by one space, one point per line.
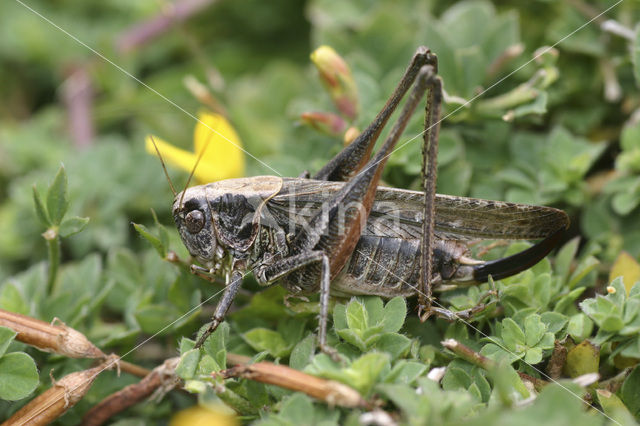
133 369
60 339
145 31
50 338
557 360
235 359
614 383
485 363
77 94
329 391
161 376
468 354
55 401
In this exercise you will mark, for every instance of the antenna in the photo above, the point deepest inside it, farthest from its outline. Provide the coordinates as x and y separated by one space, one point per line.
164 167
200 154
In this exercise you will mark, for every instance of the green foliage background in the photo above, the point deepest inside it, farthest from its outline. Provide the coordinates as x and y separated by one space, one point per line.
567 143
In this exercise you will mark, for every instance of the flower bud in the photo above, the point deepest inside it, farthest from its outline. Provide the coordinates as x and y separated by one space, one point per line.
337 78
350 135
325 122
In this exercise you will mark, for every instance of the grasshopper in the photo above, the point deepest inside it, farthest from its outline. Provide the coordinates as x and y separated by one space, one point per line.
341 234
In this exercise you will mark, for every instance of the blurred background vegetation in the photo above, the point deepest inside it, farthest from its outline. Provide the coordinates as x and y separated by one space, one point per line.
82 83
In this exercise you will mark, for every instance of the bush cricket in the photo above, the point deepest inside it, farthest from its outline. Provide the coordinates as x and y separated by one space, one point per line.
339 233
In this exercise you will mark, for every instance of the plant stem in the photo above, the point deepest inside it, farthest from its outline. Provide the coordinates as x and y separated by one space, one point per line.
54 261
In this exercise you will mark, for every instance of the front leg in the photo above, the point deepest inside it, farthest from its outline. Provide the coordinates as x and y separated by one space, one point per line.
267 274
229 294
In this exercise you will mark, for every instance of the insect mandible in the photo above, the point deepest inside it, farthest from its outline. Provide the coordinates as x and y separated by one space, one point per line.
341 234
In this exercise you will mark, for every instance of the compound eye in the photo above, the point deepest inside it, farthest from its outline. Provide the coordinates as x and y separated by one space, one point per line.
194 221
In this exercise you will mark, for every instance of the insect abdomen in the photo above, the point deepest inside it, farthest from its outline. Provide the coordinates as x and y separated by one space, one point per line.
381 266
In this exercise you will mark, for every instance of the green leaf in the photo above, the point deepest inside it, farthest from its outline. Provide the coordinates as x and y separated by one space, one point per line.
614 407
537 106
72 225
512 334
630 391
365 371
207 365
630 136
635 55
186 345
564 258
554 321
579 327
323 365
340 317
456 378
188 364
405 372
215 345
584 267
566 303
582 359
533 355
627 267
374 308
11 299
291 331
18 376
154 318
534 329
353 338
155 241
6 337
40 210
482 384
57 197
498 353
395 344
302 352
604 311
395 312
263 339
506 380
162 231
624 203
297 410
357 319
405 398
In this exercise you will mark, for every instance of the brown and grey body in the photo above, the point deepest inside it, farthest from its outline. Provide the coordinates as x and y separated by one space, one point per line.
341 227
385 261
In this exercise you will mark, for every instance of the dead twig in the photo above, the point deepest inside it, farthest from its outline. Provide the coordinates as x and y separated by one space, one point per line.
162 377
173 14
77 95
60 339
557 360
485 363
55 401
329 391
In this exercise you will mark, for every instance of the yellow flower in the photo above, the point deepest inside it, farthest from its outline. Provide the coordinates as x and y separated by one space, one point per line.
200 416
223 158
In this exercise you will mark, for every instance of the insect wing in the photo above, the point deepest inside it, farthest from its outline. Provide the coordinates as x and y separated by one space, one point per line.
397 213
